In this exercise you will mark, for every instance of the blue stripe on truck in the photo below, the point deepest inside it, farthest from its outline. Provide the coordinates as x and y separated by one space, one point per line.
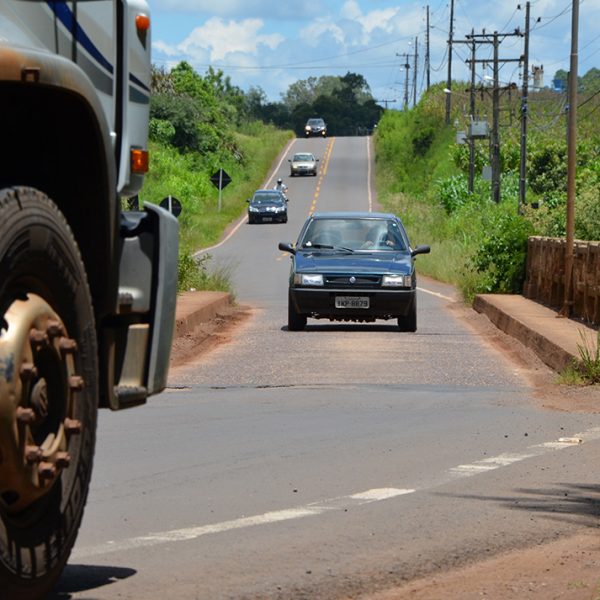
64 14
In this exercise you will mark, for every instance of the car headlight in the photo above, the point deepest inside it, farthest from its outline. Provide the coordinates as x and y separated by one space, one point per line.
253 209
279 209
308 279
396 281
307 128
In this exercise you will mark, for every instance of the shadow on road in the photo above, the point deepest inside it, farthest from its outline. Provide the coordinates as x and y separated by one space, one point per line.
82 578
569 502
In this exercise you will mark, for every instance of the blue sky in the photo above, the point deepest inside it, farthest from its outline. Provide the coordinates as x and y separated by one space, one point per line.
273 43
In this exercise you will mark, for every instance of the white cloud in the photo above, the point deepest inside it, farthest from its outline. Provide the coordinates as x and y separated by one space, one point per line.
217 39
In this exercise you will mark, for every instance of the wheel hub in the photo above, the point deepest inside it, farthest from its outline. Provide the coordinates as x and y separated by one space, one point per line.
38 386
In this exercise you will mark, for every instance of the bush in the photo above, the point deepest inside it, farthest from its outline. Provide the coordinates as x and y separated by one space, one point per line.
501 255
194 274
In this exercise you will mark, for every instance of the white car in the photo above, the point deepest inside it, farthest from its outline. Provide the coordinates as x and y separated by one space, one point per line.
303 163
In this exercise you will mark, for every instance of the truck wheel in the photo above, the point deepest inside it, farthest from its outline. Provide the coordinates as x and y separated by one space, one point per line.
48 392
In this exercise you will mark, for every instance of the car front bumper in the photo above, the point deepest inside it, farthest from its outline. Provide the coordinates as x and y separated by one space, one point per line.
303 171
268 217
321 132
319 303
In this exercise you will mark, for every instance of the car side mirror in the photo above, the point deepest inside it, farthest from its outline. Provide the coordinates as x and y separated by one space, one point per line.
289 160
420 250
287 247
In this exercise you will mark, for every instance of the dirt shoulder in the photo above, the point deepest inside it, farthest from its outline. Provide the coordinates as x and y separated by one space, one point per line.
568 569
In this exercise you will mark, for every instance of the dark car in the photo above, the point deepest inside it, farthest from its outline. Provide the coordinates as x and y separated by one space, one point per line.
315 127
353 266
267 206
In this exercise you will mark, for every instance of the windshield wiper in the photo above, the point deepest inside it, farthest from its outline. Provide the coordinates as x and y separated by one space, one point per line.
328 247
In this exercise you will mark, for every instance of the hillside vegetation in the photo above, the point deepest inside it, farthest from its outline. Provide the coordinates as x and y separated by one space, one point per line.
478 245
200 124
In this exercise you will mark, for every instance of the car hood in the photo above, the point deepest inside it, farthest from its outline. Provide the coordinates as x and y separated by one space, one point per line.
303 163
328 262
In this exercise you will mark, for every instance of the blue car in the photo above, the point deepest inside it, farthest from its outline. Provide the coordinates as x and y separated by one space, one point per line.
353 266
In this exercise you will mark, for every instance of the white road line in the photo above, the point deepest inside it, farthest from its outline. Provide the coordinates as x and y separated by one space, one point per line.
436 294
503 460
289 514
332 504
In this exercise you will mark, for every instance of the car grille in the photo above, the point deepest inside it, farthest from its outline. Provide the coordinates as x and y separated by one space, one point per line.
361 281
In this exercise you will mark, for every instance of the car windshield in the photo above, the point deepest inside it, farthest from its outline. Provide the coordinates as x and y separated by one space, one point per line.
315 122
354 234
266 198
303 158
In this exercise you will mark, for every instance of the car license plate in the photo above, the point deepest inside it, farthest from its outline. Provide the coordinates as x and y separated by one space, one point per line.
352 302
266 219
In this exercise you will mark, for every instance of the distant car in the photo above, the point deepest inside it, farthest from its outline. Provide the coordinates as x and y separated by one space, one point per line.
267 206
303 163
353 266
315 127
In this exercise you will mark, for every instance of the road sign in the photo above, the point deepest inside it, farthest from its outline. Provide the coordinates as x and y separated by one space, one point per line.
171 204
220 179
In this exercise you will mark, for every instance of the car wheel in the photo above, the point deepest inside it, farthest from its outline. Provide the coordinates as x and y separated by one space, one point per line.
250 220
296 321
408 322
48 396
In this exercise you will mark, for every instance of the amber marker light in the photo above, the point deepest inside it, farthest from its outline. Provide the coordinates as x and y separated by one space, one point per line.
142 22
140 160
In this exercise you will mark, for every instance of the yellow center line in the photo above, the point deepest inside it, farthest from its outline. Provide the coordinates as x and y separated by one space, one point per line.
322 173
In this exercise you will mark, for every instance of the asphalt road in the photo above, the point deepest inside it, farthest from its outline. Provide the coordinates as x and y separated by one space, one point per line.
327 463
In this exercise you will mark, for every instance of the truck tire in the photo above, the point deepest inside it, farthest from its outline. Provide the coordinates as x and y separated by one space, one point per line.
48 392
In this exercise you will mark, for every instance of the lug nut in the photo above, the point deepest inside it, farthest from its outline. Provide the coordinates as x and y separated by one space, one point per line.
46 471
28 371
63 460
72 426
38 338
33 454
76 383
67 346
55 328
25 415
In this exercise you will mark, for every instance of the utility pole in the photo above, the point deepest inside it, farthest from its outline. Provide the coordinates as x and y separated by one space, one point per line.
472 115
415 71
571 162
495 138
449 79
524 109
427 51
386 102
495 135
406 66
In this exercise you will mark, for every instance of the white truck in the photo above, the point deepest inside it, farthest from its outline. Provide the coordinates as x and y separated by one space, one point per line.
87 290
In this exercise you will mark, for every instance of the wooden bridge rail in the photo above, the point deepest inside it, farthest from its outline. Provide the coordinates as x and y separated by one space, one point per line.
545 276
